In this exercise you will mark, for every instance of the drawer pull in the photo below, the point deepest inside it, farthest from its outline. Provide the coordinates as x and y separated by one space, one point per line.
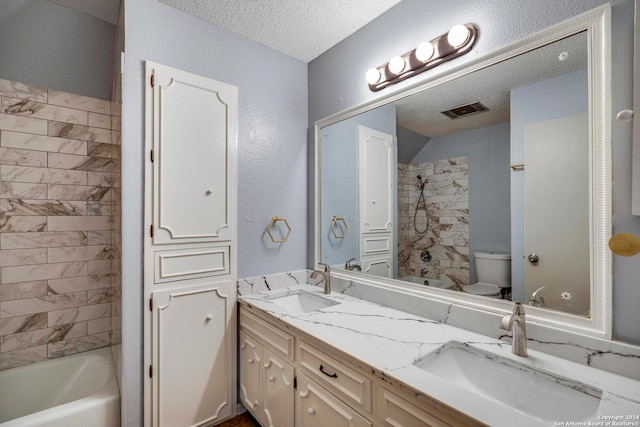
311 411
272 379
250 361
334 375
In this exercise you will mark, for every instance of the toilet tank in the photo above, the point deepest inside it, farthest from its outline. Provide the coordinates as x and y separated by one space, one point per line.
493 268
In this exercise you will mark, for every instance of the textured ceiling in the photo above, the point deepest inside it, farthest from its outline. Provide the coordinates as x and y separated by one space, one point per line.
491 86
302 29
107 10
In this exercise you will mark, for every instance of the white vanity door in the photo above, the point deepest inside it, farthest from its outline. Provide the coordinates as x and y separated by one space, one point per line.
277 391
250 374
194 135
192 352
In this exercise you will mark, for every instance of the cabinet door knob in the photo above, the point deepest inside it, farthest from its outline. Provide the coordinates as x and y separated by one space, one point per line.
272 378
208 318
208 192
250 361
311 411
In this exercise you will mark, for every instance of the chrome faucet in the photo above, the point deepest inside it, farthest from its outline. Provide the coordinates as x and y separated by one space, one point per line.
326 276
354 266
516 324
537 300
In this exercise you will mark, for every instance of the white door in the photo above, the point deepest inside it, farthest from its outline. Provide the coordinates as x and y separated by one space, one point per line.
192 366
194 132
250 374
376 180
278 392
556 203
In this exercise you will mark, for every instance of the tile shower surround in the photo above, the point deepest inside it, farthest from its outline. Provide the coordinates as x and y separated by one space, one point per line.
447 196
59 224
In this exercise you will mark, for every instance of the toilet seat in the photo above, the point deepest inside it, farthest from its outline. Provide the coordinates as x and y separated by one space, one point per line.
482 288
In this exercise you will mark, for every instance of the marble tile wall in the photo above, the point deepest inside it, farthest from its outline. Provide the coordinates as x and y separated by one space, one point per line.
59 224
447 207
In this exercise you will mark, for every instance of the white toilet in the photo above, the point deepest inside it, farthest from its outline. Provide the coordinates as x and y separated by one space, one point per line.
493 271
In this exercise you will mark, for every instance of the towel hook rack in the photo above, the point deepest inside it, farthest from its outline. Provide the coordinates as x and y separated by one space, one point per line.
273 222
334 221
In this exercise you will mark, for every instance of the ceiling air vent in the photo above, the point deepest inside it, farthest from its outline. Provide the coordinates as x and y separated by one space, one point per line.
465 110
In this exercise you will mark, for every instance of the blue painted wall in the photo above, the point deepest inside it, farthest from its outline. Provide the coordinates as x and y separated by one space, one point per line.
272 150
48 45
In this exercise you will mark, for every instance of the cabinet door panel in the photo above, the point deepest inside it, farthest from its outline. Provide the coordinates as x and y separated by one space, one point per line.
315 407
193 129
191 359
278 393
378 266
376 180
250 373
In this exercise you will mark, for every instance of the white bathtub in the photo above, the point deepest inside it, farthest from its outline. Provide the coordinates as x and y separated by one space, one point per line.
73 391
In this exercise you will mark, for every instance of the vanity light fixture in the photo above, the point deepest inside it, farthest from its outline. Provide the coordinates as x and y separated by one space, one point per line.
458 41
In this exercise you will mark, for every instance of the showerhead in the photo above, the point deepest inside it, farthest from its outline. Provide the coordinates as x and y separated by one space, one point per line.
422 183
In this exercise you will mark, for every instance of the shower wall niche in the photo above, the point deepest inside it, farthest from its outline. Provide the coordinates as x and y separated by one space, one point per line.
59 224
447 207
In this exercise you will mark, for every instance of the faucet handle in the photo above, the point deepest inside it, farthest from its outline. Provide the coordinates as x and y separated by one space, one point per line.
518 309
324 266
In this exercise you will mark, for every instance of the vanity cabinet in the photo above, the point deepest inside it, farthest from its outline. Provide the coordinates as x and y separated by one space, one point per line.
190 321
329 390
266 384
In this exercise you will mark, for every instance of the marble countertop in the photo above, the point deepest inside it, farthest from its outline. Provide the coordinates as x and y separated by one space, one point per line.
387 342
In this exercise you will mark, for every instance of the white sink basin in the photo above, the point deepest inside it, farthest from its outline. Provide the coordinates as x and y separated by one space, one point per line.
524 389
300 302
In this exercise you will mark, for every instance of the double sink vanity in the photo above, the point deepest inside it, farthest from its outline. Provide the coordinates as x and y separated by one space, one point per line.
313 359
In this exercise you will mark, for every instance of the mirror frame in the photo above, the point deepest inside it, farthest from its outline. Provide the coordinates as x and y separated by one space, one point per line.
596 23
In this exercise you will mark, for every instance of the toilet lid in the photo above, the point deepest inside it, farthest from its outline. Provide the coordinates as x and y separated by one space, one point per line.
482 288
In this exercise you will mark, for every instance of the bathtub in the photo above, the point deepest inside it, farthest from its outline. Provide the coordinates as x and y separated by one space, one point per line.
434 283
73 391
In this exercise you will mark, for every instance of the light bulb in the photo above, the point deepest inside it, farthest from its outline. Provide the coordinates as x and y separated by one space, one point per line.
424 51
372 76
458 35
396 65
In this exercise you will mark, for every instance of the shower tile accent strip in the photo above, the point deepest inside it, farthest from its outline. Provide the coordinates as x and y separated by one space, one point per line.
447 194
59 224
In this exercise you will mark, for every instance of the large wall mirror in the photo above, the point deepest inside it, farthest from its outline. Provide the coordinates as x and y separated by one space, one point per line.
485 186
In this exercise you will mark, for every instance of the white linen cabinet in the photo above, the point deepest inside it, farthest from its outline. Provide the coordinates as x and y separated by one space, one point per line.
190 248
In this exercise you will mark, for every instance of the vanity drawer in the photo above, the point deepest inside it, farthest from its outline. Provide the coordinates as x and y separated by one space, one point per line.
277 340
191 263
397 411
337 377
316 407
